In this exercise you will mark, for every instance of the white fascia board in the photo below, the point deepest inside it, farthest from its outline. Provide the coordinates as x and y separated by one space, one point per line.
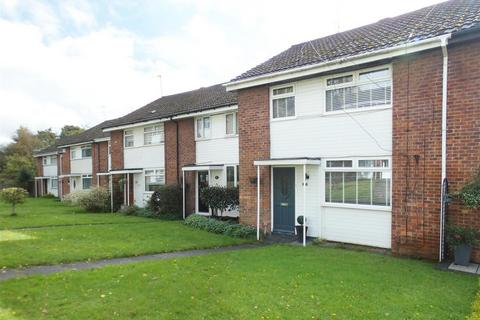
202 167
45 154
340 63
77 144
102 139
286 162
136 124
206 112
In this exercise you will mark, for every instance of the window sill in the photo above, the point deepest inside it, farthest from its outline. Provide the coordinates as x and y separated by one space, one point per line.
282 119
357 206
144 146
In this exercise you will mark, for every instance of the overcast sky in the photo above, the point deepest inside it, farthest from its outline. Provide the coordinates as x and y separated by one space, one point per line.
81 62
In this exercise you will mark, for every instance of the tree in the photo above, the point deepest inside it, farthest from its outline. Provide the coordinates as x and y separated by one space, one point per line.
70 130
13 196
46 138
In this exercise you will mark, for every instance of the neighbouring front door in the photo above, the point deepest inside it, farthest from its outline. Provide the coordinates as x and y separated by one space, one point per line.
202 183
284 199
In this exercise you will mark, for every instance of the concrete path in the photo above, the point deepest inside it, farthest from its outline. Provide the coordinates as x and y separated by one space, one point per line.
6 274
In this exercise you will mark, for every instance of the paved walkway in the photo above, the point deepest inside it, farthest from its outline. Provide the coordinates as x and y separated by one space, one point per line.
6 274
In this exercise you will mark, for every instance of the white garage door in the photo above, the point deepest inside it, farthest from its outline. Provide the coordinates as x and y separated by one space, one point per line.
364 227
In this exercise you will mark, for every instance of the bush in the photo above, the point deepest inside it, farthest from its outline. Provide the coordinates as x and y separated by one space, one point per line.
221 227
13 196
457 235
167 201
91 200
130 210
49 196
470 193
220 199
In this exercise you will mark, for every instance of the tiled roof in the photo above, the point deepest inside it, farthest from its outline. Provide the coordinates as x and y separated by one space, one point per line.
186 102
50 149
88 135
442 18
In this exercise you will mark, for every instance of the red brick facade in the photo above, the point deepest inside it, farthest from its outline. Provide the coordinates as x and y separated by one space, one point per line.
64 165
39 166
254 144
100 162
116 141
186 155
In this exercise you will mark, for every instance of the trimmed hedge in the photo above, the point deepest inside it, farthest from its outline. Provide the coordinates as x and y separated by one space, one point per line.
221 227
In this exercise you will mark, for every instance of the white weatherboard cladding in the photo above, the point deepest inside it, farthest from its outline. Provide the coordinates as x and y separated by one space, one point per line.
49 188
49 171
314 133
140 195
219 148
144 156
83 166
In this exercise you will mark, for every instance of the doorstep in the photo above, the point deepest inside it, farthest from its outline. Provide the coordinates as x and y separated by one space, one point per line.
473 268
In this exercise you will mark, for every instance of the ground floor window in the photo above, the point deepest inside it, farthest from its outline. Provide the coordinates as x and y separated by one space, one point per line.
366 182
54 184
86 181
232 176
154 178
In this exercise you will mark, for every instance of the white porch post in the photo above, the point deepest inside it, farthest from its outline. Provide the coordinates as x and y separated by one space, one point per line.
304 204
98 180
128 189
110 182
36 192
124 190
258 202
183 192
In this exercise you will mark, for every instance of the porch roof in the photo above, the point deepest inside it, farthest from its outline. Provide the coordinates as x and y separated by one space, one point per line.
123 171
45 177
70 175
287 161
202 167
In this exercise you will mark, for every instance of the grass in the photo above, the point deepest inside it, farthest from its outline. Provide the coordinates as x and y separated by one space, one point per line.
49 212
118 236
276 282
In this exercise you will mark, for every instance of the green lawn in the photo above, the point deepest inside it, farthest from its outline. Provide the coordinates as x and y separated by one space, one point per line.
121 236
276 282
48 212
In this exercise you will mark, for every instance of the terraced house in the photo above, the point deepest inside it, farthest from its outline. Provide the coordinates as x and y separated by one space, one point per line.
360 130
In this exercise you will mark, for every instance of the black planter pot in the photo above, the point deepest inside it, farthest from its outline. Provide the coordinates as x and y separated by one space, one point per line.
299 230
462 254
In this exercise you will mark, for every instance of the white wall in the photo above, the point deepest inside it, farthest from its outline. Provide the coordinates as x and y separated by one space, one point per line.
50 171
316 134
83 166
219 148
144 156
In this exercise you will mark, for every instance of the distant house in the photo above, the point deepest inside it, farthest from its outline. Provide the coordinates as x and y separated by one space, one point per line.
193 133
357 131
46 179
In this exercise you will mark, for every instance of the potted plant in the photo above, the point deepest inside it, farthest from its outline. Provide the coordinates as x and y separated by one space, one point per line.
299 228
461 239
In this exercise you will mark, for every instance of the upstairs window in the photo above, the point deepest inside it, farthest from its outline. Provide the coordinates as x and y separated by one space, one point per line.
45 161
231 123
359 90
128 138
283 102
53 160
153 135
75 154
203 128
154 179
86 151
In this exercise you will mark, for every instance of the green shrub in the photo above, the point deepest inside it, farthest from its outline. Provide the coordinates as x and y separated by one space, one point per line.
220 199
130 210
167 201
49 196
221 227
91 200
470 193
13 196
457 235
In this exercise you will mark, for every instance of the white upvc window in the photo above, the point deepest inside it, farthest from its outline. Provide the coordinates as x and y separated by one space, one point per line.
128 139
75 154
231 124
359 182
283 102
359 90
53 160
154 179
203 128
86 181
86 151
45 161
54 183
232 175
153 135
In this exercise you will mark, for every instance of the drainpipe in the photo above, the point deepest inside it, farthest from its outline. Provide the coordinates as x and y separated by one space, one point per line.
444 43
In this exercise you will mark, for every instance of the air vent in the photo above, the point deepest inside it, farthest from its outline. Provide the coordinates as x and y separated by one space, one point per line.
153 111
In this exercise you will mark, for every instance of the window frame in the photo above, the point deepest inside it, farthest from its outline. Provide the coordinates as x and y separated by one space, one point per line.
54 186
161 173
356 83
356 168
234 114
160 132
125 135
85 147
75 152
87 176
203 136
282 96
236 177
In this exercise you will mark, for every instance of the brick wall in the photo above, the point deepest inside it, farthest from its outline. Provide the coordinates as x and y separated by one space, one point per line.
186 155
417 111
65 169
100 162
39 166
463 131
116 140
254 142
